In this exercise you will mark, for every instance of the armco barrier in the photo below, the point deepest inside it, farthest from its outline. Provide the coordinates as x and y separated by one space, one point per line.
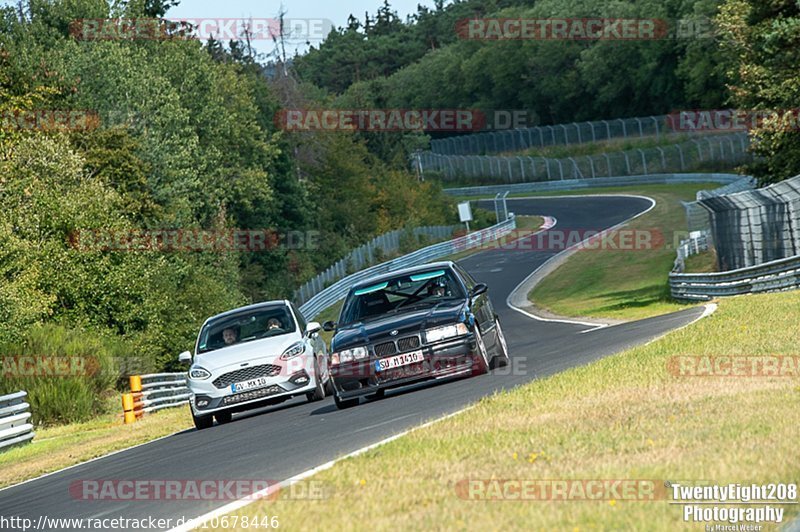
339 289
15 420
774 276
154 392
698 242
734 180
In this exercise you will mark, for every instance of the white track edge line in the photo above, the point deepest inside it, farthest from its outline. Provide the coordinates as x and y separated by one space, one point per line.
594 326
265 493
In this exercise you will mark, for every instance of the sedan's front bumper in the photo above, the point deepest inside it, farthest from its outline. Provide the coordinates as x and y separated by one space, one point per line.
448 358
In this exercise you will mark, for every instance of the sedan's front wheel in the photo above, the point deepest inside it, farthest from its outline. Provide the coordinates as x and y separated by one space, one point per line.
341 404
500 358
481 365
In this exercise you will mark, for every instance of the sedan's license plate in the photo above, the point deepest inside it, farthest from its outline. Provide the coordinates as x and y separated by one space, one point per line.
249 385
398 360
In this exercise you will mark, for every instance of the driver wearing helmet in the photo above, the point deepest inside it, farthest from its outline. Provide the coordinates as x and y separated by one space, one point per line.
438 288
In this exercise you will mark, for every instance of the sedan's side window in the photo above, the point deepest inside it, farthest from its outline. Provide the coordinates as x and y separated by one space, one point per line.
468 280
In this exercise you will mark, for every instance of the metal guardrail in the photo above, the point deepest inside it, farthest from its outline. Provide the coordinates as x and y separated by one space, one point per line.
774 276
697 242
15 416
339 289
153 392
579 184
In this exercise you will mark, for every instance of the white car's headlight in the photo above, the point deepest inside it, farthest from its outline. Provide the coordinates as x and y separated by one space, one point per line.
442 333
198 373
349 355
293 350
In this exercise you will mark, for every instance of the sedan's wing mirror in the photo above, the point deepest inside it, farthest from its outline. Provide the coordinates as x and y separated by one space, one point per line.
312 328
329 326
185 357
478 289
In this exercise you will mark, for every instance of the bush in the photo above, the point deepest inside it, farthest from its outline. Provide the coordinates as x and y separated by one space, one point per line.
68 373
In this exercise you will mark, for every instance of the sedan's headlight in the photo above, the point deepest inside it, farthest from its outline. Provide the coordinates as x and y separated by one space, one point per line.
349 355
442 333
293 350
198 373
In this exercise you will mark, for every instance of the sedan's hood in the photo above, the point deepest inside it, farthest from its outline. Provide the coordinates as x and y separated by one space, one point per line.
409 322
246 352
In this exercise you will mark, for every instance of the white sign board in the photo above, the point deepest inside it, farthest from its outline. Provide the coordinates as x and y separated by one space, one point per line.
464 212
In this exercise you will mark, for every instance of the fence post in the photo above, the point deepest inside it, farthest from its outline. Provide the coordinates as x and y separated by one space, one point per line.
644 161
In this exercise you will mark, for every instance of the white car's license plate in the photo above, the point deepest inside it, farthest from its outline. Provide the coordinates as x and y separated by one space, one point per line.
398 360
249 385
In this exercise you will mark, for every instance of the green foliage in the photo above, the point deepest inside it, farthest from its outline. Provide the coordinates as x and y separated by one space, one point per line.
762 41
186 141
422 64
77 386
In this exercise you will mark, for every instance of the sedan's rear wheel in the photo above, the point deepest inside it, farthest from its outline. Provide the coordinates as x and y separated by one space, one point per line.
500 358
341 404
319 391
202 422
481 365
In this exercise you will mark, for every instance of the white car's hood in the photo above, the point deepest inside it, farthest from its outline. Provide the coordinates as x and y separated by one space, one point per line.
246 352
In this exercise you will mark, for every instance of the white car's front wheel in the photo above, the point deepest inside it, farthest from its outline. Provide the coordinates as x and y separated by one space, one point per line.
319 390
202 422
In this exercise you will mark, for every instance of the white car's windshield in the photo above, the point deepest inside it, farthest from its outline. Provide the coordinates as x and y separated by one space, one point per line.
244 327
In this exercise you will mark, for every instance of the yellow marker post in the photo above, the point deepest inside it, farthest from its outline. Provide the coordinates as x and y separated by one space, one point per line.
127 408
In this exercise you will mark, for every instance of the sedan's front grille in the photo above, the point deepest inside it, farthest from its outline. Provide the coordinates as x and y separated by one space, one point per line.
385 349
409 343
246 374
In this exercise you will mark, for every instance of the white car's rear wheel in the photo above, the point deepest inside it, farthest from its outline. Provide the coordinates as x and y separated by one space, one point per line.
223 417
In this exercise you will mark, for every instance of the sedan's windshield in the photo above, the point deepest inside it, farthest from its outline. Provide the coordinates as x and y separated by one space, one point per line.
400 293
244 327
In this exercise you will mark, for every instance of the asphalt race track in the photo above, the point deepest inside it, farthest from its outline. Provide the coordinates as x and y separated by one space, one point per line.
283 441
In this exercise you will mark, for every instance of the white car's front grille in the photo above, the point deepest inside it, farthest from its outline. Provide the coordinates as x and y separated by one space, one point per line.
246 374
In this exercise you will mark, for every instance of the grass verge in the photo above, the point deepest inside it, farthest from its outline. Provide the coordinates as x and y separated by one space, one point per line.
625 284
57 447
623 417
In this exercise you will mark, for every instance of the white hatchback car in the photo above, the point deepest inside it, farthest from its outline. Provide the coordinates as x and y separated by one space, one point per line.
255 356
